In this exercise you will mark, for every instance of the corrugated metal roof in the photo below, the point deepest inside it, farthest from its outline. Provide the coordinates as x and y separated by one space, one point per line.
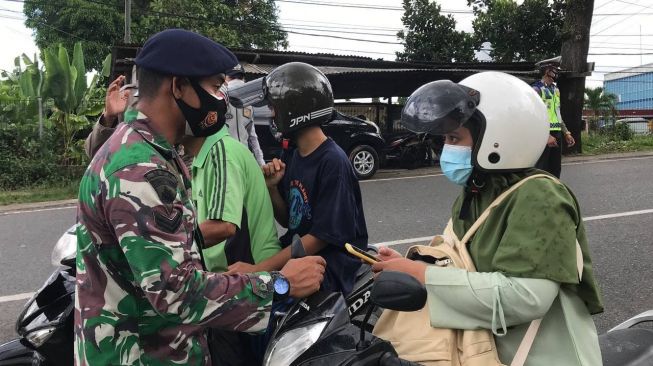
263 69
633 71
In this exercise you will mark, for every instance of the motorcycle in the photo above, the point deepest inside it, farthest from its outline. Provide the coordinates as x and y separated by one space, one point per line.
326 328
629 344
318 330
413 150
45 325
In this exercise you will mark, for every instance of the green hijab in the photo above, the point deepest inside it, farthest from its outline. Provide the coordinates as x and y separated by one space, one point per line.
531 234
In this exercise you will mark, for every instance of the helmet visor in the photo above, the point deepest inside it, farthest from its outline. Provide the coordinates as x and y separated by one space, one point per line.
251 93
439 107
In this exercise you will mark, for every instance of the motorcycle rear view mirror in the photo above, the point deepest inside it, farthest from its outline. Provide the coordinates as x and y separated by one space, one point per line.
66 248
398 291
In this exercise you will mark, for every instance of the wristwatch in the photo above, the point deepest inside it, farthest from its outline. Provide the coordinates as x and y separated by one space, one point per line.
281 286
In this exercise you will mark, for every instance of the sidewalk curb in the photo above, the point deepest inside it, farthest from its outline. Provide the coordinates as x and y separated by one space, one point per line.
36 206
381 174
612 156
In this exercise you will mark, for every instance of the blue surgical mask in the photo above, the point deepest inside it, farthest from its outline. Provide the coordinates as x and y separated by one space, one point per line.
456 163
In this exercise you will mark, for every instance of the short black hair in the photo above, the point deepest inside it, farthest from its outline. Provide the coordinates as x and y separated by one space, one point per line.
149 82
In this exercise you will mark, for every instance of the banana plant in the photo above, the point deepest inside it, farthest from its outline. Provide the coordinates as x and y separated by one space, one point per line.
20 90
73 98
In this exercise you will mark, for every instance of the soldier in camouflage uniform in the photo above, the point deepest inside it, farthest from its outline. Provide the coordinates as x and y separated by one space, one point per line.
142 296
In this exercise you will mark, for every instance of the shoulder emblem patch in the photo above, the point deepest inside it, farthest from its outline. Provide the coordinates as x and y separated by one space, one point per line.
164 183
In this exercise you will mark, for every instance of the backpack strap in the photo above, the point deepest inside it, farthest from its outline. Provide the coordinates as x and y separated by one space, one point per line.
497 201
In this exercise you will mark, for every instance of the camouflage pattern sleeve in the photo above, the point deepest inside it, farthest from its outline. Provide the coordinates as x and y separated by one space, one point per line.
153 221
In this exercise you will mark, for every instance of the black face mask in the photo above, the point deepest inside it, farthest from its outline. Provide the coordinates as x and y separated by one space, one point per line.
209 118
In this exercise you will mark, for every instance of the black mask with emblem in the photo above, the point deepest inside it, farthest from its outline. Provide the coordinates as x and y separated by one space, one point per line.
209 118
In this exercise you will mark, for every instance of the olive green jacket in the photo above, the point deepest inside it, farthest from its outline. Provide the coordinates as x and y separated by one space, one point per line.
525 254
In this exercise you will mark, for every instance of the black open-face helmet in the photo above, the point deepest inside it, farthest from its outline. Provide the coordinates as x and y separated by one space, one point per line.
299 94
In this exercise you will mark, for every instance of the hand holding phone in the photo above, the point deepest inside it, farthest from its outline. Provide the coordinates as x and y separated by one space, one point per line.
361 254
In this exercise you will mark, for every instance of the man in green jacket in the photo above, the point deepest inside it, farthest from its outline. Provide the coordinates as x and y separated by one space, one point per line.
525 252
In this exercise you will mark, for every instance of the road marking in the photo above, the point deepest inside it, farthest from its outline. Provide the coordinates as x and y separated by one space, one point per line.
16 297
38 210
422 239
589 218
621 214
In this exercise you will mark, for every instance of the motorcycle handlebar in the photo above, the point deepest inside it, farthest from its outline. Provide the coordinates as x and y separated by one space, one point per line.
388 359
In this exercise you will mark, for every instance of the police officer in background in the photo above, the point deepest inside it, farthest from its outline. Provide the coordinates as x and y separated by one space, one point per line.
546 88
142 296
241 120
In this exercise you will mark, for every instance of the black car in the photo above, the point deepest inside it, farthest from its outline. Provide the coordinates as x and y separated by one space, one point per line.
360 139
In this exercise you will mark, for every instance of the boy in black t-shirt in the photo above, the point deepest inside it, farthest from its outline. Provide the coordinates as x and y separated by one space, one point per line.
314 191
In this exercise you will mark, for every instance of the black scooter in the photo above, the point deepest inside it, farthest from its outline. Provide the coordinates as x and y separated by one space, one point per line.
319 331
45 325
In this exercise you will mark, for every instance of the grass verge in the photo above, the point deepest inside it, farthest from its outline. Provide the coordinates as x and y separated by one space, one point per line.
603 144
63 191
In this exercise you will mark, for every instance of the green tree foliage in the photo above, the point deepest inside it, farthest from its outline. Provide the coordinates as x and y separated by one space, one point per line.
431 36
601 104
69 104
73 98
531 31
21 163
65 22
19 93
99 24
247 24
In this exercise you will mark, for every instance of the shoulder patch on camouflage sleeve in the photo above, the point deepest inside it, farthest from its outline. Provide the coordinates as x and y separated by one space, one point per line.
247 112
167 220
164 183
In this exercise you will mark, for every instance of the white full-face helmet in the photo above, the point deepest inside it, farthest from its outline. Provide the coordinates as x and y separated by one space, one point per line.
511 119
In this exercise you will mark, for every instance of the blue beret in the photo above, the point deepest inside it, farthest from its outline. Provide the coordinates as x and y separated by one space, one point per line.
183 53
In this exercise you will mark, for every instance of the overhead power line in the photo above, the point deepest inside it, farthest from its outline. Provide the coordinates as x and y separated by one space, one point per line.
334 24
621 20
345 50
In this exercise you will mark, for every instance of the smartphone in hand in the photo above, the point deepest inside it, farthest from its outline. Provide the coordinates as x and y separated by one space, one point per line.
361 254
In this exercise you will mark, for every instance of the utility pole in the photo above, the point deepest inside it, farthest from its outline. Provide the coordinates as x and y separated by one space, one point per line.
128 21
575 45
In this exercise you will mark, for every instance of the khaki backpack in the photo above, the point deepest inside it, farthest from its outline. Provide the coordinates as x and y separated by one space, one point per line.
416 340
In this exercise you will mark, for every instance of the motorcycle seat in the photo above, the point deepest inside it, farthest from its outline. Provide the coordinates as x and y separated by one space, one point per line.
627 347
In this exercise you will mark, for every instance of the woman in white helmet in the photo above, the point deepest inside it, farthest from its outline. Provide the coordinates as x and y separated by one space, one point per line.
525 253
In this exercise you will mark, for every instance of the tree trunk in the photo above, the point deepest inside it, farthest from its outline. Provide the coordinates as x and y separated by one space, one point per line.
575 45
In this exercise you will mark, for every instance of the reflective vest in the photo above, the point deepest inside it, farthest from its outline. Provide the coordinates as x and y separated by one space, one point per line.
552 102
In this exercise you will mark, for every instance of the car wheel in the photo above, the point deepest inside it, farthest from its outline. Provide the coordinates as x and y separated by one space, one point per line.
365 161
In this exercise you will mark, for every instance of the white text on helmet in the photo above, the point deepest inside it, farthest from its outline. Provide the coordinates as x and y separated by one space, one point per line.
307 117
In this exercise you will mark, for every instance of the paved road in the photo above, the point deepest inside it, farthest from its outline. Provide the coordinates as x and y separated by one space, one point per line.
417 207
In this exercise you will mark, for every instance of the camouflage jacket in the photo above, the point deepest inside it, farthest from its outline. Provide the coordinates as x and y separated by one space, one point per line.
142 297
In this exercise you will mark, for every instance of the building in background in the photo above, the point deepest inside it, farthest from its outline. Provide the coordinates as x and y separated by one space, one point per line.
634 90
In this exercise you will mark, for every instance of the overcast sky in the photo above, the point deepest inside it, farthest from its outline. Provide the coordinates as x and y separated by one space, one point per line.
617 31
